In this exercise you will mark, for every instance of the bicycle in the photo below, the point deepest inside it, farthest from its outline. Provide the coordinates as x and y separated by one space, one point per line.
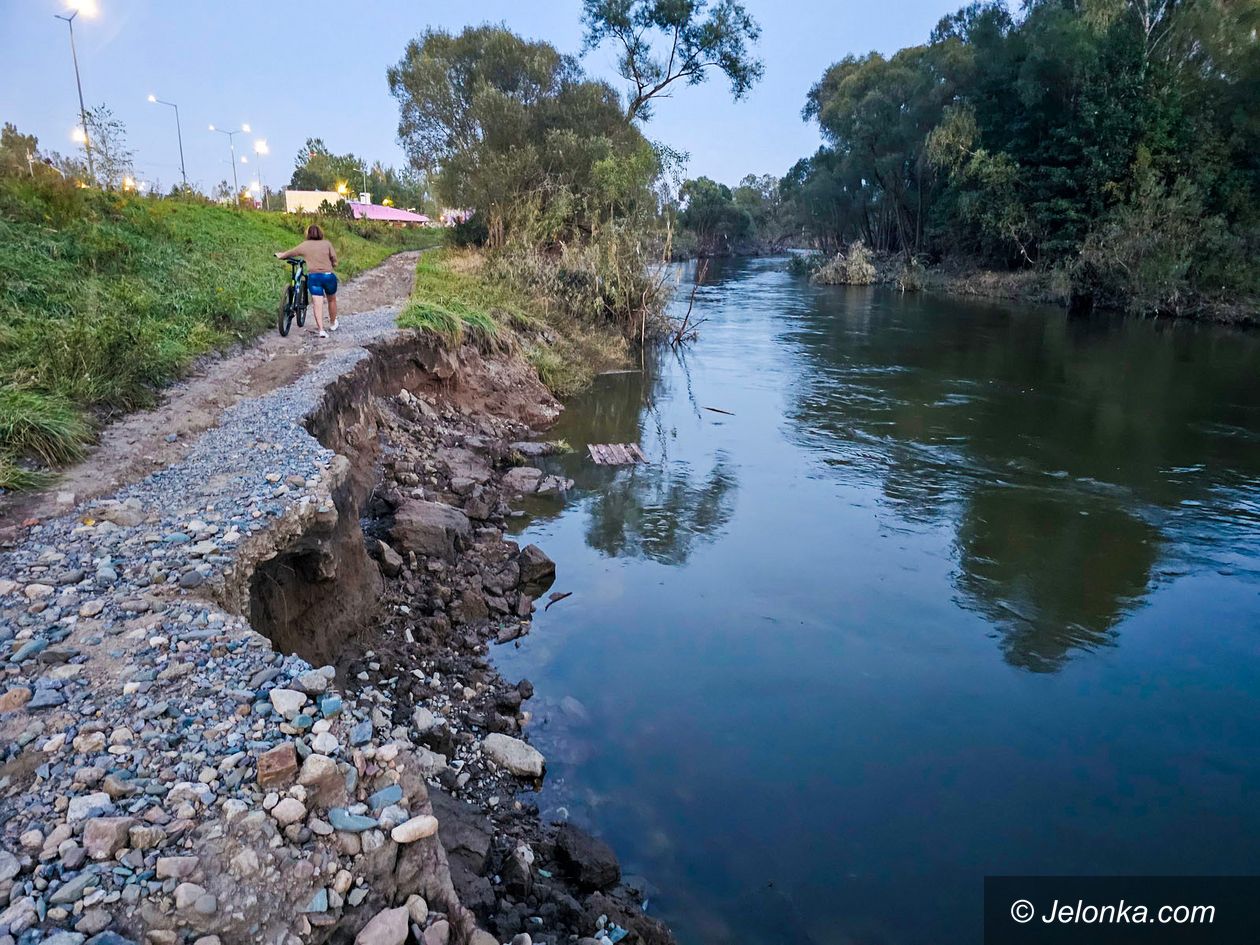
296 296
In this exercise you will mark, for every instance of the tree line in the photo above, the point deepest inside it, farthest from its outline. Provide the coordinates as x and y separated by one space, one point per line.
1116 142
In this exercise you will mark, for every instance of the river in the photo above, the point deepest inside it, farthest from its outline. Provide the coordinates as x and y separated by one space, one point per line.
954 589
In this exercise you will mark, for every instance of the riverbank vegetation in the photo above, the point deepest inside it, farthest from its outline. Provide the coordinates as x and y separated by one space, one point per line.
569 195
1111 143
106 296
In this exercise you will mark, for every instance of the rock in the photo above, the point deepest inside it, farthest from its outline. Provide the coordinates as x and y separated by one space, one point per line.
522 480
387 927
37 591
65 938
105 836
46 699
482 937
187 894
73 890
418 909
423 720
342 819
87 805
431 529
9 865
439 933
318 901
277 766
521 939
325 743
109 938
91 608
287 702
417 828
14 699
538 572
321 774
590 861
176 867
93 921
521 759
385 796
391 561
289 811
146 838
89 742
313 683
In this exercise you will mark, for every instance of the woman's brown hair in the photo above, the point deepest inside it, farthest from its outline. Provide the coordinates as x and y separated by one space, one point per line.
313 232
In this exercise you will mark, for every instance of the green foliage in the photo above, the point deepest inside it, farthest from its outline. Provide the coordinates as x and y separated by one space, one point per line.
710 212
106 296
463 295
317 168
1084 130
853 267
521 135
698 39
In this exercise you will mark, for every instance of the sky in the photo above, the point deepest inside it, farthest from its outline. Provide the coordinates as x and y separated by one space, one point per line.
316 68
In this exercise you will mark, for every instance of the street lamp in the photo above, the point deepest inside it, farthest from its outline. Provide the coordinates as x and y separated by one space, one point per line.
261 150
179 134
236 186
88 9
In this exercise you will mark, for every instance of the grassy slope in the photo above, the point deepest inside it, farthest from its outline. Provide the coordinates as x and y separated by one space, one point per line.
455 298
104 298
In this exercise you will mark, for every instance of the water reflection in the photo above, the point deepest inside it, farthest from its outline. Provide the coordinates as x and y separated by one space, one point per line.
1053 447
658 511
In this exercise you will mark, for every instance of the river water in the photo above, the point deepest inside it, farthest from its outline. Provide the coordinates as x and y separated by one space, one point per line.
955 589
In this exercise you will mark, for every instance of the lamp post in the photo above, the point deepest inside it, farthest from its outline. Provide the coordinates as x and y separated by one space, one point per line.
261 150
87 144
236 186
179 133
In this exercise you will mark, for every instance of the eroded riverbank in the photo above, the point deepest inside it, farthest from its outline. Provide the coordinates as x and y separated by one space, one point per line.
169 774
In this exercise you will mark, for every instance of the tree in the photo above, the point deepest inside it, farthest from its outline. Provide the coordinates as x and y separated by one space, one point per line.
109 147
697 43
17 150
711 213
519 134
317 168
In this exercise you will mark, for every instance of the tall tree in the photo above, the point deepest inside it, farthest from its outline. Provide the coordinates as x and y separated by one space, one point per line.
661 42
114 160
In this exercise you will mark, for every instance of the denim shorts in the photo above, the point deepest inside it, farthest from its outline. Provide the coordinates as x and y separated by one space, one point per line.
322 283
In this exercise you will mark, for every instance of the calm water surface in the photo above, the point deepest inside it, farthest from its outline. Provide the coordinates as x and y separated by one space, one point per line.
958 589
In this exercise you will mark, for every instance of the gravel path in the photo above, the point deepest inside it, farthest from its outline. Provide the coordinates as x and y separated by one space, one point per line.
137 718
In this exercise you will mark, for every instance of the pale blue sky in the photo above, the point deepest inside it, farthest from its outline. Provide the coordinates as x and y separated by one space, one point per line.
317 68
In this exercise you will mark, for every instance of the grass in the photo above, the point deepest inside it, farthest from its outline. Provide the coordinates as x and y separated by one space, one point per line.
457 298
105 298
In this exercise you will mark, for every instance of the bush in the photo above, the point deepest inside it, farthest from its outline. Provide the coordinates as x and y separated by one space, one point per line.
470 232
852 268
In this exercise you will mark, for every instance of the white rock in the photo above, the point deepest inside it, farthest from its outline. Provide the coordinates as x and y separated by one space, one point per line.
423 720
522 759
325 743
287 702
288 811
87 805
417 828
418 909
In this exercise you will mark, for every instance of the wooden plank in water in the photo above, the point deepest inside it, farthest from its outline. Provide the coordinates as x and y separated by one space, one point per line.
616 454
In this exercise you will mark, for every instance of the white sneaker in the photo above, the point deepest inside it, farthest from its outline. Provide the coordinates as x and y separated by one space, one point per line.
334 326
323 334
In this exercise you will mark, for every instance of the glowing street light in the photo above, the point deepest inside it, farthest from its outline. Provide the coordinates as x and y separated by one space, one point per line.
78 135
89 9
179 133
261 150
236 185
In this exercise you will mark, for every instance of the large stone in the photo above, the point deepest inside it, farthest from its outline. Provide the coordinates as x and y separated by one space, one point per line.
105 836
461 463
538 572
590 861
176 867
87 805
326 783
522 480
417 828
518 757
14 699
287 702
277 767
387 927
289 811
431 529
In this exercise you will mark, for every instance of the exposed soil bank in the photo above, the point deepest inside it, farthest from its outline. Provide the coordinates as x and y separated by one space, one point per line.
166 774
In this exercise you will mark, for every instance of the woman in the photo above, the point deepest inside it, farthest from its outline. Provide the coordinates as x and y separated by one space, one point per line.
321 259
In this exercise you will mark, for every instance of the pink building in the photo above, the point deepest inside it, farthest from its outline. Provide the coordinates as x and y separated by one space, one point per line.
395 215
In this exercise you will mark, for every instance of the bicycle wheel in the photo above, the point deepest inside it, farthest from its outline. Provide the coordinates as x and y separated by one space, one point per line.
286 310
304 299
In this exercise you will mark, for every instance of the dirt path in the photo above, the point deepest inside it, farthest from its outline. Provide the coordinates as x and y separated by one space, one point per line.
137 444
